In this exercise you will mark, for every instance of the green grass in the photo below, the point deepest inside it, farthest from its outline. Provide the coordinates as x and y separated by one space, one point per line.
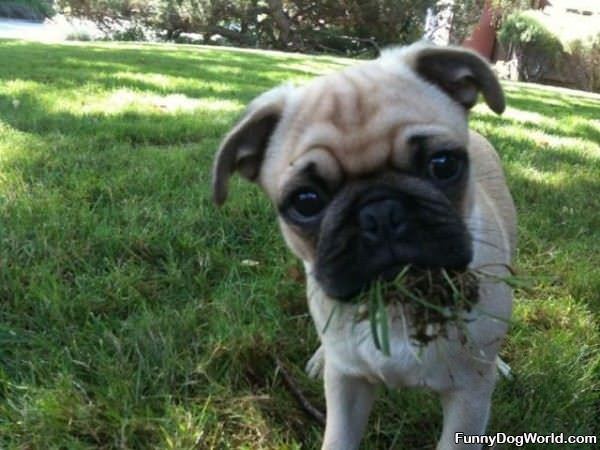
128 315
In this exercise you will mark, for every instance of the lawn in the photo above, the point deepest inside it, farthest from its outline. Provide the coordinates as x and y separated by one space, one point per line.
134 314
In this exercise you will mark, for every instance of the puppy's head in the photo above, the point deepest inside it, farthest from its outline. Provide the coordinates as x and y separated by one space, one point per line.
368 167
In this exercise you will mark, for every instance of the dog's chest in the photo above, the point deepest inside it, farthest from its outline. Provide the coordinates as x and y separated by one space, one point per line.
406 365
348 344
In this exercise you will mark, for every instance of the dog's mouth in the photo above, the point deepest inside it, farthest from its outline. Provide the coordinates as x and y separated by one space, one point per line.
374 228
433 297
391 272
420 280
352 284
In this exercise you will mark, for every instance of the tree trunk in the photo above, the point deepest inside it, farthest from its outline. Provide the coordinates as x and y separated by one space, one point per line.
282 21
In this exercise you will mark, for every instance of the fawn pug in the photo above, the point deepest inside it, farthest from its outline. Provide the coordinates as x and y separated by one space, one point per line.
371 169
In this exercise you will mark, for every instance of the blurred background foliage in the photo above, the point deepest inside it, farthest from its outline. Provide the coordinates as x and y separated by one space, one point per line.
350 27
347 26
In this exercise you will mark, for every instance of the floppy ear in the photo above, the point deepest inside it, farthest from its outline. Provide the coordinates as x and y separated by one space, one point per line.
244 146
462 74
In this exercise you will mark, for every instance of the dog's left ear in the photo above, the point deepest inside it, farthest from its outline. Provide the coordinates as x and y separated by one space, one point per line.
461 73
243 148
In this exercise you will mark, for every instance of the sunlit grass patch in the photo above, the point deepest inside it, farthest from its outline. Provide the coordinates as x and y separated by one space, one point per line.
126 100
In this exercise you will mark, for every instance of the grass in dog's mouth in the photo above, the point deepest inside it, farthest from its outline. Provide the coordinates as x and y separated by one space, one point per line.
433 299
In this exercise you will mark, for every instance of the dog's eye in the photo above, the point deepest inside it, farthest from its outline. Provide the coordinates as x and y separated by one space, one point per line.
445 166
307 203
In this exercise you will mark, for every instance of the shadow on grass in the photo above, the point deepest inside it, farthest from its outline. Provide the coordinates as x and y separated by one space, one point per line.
578 129
196 73
549 103
77 65
97 130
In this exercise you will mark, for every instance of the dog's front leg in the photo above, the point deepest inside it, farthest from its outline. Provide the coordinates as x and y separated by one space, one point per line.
349 400
466 413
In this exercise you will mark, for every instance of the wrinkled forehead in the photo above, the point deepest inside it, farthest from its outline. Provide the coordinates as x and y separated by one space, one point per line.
361 120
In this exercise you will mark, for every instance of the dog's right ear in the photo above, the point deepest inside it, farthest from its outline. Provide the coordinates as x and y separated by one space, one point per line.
244 147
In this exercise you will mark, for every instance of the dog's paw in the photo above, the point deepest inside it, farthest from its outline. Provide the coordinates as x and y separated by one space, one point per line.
503 368
314 366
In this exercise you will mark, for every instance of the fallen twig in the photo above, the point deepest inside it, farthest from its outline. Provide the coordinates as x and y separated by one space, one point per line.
297 393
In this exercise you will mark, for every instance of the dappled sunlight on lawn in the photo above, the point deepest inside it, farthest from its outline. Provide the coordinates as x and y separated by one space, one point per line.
126 100
556 179
545 140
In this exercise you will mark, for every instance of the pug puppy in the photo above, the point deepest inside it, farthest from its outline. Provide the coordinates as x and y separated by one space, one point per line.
371 169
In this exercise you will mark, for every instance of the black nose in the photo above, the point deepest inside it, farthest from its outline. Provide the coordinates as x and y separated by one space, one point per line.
383 221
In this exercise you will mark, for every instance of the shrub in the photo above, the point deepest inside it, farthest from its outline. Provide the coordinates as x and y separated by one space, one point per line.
585 55
79 35
535 47
26 9
133 32
356 27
